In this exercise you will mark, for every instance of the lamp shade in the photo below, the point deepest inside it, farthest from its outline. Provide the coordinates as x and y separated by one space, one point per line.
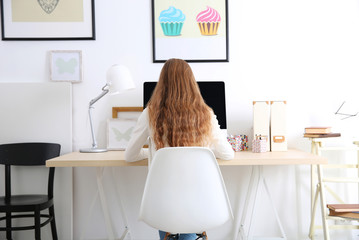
119 79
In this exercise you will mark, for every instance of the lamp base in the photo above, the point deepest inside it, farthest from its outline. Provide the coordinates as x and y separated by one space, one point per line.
93 150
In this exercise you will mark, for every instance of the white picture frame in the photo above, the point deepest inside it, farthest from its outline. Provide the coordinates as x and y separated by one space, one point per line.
66 66
47 20
119 133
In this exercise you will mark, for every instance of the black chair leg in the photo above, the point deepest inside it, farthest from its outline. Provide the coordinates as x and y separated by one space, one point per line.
8 226
53 223
37 225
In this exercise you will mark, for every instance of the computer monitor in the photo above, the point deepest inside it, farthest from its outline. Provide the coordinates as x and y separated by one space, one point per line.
213 94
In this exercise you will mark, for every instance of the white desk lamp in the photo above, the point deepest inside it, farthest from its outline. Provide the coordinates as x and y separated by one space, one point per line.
119 79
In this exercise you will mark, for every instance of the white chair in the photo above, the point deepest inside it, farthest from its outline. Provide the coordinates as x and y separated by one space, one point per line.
185 192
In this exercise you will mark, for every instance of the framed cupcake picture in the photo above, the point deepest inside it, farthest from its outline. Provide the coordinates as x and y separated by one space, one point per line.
196 31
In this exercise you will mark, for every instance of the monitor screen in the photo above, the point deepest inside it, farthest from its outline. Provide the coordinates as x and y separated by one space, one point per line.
213 94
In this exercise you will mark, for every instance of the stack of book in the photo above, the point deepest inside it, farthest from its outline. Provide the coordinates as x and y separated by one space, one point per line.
319 132
350 211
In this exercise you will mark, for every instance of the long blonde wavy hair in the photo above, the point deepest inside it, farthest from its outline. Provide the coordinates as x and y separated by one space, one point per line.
177 112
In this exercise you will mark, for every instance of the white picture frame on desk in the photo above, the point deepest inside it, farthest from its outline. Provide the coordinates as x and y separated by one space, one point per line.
119 133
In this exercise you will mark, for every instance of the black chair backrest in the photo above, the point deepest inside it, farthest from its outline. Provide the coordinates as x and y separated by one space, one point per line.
28 154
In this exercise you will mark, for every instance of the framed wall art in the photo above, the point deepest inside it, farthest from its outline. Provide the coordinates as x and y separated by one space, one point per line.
66 66
196 31
47 20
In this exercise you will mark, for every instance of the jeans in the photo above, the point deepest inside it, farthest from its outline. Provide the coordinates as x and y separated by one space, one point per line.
186 236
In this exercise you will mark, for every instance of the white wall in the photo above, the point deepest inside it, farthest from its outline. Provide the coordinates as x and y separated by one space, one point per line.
305 52
39 112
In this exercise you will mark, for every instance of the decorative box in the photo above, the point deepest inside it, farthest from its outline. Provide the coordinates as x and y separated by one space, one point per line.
235 142
259 144
238 142
244 142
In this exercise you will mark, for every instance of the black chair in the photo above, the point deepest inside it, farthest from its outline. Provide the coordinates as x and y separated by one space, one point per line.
25 206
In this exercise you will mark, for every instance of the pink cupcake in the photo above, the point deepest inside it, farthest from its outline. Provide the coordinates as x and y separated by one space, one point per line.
208 21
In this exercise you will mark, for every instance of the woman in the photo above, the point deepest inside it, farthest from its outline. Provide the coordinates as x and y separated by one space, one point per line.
176 116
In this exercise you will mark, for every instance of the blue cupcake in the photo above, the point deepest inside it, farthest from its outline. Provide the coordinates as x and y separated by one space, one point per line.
171 21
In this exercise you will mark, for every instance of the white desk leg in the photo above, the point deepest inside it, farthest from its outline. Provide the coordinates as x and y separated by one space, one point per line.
99 174
89 216
272 203
123 214
239 226
100 192
256 170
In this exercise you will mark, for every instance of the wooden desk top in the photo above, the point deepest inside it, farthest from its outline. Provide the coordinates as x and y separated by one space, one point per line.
116 158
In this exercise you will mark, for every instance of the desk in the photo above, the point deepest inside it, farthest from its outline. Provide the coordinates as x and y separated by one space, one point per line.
244 158
116 159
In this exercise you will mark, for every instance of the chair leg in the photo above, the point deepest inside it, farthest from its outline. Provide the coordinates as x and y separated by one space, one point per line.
37 225
170 236
8 226
53 223
202 236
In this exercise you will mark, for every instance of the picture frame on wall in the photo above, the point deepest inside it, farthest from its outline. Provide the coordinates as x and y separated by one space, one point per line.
196 31
47 20
66 66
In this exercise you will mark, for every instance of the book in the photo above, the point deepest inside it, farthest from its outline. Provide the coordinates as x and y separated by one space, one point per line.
324 135
351 215
320 130
340 208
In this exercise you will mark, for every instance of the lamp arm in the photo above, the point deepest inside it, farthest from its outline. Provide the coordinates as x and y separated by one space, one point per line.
104 92
94 142
92 102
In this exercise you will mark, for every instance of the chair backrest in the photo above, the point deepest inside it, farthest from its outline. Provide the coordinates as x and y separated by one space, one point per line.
185 191
28 154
